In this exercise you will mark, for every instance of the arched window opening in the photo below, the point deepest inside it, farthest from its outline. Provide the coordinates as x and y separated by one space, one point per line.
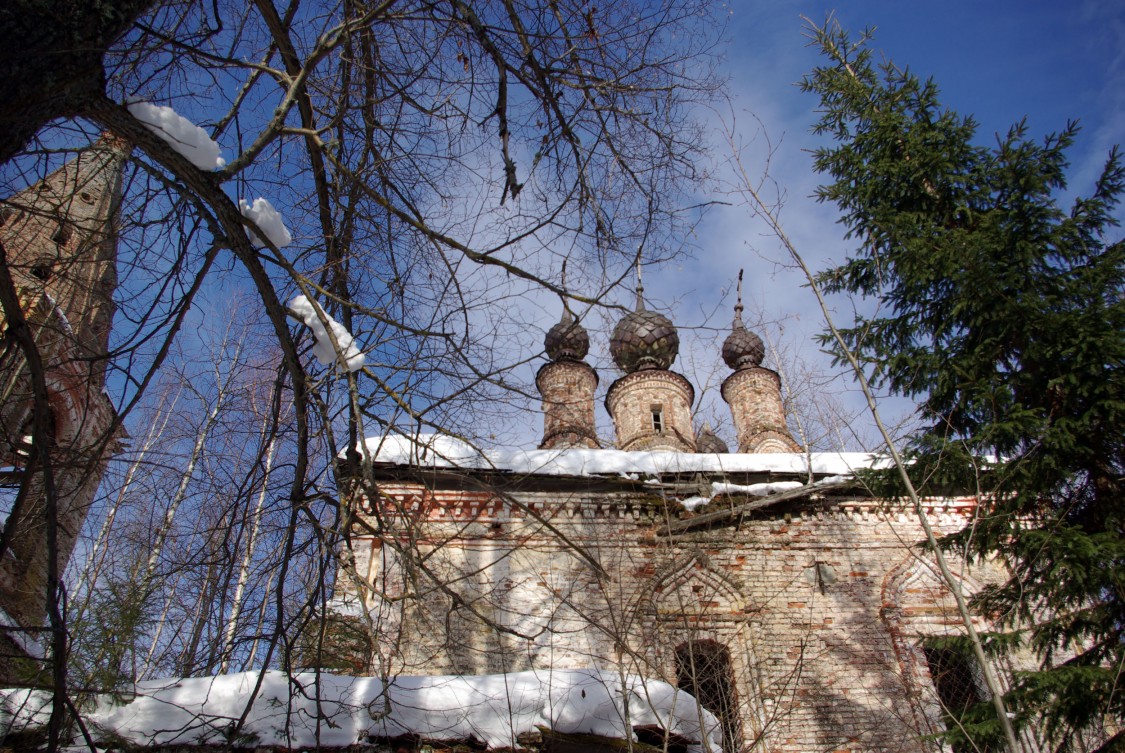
704 669
960 686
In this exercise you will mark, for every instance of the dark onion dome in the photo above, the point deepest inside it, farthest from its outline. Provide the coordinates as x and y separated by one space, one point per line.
742 349
644 340
567 340
709 441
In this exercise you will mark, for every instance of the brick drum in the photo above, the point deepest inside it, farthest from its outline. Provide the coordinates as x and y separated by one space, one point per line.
634 398
754 396
568 389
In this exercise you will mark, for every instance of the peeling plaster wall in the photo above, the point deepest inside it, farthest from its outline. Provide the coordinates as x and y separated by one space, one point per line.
822 605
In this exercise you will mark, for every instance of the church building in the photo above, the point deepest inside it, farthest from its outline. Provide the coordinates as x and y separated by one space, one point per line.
796 607
581 582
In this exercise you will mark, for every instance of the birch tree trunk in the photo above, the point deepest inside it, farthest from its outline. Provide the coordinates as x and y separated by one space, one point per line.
223 389
88 578
247 561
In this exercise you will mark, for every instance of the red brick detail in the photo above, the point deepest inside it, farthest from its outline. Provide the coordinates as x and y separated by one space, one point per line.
631 401
754 396
568 389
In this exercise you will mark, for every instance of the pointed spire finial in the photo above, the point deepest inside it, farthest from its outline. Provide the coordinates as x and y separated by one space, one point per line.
742 348
640 288
567 315
110 141
567 340
738 304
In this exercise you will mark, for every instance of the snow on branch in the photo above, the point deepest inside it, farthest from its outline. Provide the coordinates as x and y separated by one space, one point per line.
181 134
314 318
290 711
268 220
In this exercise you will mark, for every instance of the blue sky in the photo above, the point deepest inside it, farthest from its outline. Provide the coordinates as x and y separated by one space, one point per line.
997 61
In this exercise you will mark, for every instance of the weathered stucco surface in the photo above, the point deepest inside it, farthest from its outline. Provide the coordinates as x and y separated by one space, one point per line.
823 603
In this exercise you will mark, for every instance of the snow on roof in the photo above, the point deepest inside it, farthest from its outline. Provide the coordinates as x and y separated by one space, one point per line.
441 451
292 711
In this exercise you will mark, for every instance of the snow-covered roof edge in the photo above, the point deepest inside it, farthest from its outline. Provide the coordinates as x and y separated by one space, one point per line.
441 451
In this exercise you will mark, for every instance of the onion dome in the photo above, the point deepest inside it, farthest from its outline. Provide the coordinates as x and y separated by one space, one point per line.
567 340
742 349
644 340
709 441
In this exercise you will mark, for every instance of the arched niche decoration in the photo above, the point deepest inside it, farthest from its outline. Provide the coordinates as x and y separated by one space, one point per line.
691 604
690 585
918 606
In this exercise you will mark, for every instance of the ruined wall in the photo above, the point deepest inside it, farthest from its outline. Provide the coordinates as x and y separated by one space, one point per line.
822 607
826 665
58 238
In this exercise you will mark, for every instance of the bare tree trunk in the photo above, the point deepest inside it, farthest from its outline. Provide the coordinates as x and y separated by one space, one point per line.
150 656
100 549
51 60
262 615
144 584
186 666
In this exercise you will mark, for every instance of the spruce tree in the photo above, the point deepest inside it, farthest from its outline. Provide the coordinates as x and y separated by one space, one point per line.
1002 311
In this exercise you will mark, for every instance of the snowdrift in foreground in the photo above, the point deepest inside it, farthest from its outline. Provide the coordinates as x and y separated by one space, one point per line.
493 709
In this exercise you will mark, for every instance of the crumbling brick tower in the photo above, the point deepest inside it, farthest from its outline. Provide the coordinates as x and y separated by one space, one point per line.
567 384
753 391
58 250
